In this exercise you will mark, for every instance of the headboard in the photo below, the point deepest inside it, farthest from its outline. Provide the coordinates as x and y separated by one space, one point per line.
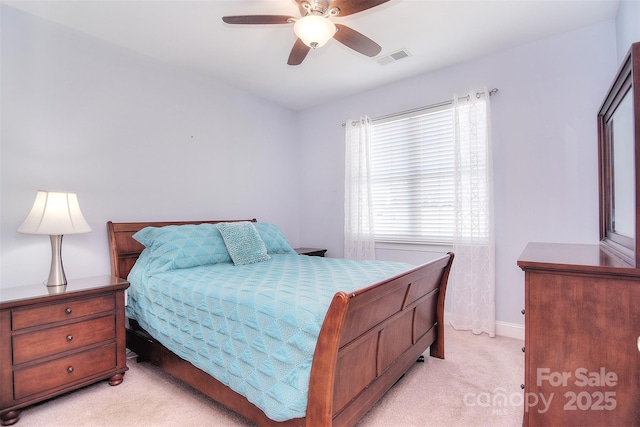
125 250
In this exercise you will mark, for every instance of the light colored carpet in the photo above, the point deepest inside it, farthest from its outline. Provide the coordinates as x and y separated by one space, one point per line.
478 384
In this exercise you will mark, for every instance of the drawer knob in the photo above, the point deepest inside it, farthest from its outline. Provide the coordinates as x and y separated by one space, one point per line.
522 311
522 386
69 337
70 369
68 310
523 349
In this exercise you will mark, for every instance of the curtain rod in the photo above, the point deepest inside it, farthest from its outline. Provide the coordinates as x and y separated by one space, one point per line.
415 110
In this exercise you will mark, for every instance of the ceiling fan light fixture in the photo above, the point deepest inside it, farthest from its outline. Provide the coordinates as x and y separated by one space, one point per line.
314 30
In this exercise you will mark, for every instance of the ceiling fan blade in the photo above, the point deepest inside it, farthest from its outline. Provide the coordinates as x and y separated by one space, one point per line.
257 19
298 53
356 41
348 7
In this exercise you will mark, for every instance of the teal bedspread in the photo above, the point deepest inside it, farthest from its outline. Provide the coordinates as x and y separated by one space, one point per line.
252 327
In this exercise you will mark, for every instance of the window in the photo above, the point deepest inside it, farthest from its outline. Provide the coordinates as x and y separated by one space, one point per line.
426 177
412 177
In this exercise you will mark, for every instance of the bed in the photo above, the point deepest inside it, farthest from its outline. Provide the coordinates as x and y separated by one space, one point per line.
371 334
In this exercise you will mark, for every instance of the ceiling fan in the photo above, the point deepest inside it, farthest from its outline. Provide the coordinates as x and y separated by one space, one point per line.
315 27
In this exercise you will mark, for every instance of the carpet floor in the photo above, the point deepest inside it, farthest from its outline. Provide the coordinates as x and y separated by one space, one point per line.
477 384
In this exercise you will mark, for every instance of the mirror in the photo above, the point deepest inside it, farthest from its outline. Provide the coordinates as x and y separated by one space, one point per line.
622 167
619 150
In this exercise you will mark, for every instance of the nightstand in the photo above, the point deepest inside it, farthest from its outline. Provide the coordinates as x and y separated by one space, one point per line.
311 251
51 344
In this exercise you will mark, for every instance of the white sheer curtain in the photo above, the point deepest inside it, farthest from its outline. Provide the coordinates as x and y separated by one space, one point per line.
359 240
473 273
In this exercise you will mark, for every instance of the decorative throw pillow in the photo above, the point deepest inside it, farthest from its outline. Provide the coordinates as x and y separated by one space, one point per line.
243 242
273 239
174 247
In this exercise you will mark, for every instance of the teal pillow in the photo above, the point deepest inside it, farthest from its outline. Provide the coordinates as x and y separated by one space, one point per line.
273 239
182 246
243 242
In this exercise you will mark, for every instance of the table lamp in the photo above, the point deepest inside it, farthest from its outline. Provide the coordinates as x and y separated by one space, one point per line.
55 214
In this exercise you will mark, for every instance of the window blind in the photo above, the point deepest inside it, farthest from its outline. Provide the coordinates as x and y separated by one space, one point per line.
412 177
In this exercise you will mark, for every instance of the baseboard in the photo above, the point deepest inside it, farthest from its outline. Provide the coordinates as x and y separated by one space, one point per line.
511 330
503 329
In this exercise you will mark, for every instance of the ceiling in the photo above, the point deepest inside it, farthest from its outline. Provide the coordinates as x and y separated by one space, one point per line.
436 34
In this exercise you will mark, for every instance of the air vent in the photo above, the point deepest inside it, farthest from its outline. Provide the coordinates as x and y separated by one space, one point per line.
393 57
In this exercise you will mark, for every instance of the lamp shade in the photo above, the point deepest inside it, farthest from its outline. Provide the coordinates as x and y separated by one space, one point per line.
55 213
314 30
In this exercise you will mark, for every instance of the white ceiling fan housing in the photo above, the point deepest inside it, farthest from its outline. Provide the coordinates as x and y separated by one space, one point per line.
314 30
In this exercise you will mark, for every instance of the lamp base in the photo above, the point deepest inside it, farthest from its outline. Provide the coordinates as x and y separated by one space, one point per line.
56 279
58 289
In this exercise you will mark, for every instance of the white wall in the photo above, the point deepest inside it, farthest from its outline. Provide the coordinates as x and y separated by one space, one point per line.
141 140
544 140
135 138
627 26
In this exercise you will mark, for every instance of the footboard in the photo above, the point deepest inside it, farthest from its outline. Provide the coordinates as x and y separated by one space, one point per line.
371 337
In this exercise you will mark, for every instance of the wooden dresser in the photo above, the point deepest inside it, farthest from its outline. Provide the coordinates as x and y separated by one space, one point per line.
54 343
582 323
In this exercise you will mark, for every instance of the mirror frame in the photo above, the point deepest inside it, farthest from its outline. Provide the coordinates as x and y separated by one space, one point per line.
627 81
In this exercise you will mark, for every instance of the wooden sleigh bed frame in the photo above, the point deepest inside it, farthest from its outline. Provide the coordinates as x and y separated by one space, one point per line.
368 340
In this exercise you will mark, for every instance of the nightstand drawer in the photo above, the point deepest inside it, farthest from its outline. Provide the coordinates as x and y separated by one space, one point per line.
46 342
62 372
48 314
